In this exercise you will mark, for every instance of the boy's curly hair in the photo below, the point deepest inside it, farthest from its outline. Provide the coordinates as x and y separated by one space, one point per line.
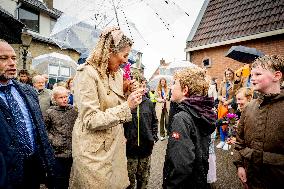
270 62
195 79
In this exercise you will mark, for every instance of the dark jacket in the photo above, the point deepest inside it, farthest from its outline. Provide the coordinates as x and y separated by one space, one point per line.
186 161
260 142
59 122
11 161
147 130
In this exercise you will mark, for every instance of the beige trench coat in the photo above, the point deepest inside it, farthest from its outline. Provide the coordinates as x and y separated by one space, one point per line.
160 105
98 143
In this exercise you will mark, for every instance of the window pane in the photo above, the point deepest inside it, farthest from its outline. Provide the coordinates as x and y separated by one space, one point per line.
65 72
53 70
30 18
206 63
52 24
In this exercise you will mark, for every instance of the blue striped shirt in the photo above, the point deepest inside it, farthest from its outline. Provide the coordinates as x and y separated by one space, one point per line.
23 107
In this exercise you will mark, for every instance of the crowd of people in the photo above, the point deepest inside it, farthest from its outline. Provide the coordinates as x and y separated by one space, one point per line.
98 131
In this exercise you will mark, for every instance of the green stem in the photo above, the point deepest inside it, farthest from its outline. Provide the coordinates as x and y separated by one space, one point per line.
138 124
138 120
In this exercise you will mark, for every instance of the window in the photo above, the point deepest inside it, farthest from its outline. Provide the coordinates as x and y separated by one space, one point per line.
52 24
30 18
58 73
64 71
206 62
53 70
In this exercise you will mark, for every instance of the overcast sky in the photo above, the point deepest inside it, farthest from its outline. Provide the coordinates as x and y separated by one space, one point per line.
161 44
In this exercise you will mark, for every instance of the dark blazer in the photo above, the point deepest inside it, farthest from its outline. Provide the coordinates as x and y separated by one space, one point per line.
11 162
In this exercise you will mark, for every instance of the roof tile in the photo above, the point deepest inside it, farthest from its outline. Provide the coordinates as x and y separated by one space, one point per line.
229 19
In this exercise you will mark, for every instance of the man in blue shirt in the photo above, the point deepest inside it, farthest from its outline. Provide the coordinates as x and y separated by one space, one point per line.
26 156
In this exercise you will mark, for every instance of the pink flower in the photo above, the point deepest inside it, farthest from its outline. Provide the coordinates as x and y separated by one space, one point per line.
232 116
126 70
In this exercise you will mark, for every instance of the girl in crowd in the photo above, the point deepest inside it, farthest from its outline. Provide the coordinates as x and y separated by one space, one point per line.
98 142
162 107
69 86
225 97
243 96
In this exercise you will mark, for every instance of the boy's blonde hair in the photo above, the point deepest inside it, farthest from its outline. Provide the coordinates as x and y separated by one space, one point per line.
195 79
246 91
270 62
56 91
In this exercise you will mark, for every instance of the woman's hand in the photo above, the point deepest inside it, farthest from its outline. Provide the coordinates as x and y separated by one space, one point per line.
135 98
242 174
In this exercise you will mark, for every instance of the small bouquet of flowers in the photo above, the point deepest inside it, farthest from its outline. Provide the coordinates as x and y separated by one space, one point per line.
127 76
231 120
229 124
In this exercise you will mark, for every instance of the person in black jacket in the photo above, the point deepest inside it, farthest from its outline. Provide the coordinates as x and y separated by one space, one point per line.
26 156
138 155
186 161
24 77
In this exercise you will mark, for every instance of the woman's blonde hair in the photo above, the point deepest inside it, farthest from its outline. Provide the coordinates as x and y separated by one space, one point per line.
111 40
195 79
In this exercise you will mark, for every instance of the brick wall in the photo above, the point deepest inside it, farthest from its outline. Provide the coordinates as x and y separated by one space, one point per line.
269 45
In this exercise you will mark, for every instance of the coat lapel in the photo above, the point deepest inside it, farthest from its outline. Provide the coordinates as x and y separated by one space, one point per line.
116 84
3 105
26 93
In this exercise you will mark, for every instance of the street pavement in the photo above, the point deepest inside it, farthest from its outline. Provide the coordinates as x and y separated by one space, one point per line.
226 171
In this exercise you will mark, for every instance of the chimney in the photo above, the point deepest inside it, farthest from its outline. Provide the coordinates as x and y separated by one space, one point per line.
49 3
162 62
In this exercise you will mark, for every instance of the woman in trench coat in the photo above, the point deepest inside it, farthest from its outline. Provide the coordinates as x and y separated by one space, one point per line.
98 143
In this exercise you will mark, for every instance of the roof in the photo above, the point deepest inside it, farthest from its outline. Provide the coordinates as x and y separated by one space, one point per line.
224 20
44 39
11 28
40 6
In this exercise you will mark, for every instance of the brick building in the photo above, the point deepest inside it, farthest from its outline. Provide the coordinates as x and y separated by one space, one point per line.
161 70
225 23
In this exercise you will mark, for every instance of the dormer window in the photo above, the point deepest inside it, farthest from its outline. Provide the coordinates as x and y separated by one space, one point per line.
30 18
